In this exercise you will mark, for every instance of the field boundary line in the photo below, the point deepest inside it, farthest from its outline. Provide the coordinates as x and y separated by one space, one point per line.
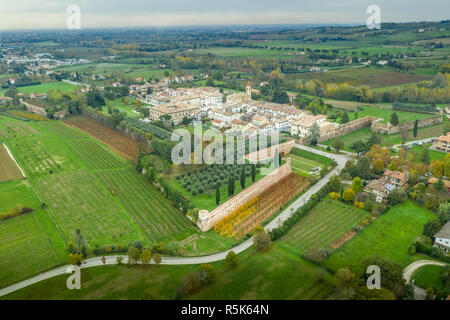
14 159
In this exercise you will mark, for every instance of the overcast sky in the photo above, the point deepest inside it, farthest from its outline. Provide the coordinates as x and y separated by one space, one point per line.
39 14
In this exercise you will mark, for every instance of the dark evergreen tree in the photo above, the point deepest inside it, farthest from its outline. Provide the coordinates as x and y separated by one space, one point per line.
394 119
217 194
243 177
416 128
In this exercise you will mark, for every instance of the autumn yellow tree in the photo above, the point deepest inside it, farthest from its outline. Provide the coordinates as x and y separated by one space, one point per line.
348 195
378 166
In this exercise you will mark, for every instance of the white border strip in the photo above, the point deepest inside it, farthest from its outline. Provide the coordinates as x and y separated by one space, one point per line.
12 157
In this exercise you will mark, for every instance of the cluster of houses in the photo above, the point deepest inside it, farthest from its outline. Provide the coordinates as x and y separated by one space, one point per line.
235 114
442 143
38 62
380 188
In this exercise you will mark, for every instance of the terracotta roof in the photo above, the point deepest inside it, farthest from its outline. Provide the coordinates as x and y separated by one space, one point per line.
434 180
445 138
395 174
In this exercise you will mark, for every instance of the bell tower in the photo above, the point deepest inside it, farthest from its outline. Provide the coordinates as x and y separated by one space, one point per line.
248 89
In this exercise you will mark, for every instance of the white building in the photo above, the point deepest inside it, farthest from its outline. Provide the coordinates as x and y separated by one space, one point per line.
302 126
442 238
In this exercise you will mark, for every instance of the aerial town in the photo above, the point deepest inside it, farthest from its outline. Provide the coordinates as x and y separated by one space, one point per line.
335 183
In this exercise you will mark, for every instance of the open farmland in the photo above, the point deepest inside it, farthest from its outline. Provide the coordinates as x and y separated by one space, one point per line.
328 225
373 77
388 236
8 168
30 243
47 86
285 274
111 137
86 186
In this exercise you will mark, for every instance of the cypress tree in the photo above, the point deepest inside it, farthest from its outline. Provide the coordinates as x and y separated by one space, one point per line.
416 128
253 172
233 184
217 194
229 186
243 178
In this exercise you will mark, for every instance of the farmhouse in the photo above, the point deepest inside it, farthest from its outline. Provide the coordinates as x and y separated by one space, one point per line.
443 143
396 178
377 189
442 238
176 111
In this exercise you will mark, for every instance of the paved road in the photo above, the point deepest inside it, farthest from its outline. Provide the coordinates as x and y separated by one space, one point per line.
410 143
111 260
408 272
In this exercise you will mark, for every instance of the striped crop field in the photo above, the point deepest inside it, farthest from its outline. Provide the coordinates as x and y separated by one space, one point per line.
85 185
327 225
113 138
8 168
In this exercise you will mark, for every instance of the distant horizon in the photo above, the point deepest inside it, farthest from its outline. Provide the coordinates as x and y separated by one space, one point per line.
54 14
260 25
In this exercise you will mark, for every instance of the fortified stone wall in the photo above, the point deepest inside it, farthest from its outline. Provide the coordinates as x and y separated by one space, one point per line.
207 219
350 127
283 148
387 128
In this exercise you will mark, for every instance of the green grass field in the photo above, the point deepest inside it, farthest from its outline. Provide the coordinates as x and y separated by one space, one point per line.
324 226
302 166
85 186
302 162
434 155
276 274
129 108
429 276
389 236
47 86
237 52
385 114
127 70
29 243
364 134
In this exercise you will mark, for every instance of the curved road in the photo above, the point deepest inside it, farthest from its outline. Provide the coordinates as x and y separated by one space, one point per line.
111 260
408 272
